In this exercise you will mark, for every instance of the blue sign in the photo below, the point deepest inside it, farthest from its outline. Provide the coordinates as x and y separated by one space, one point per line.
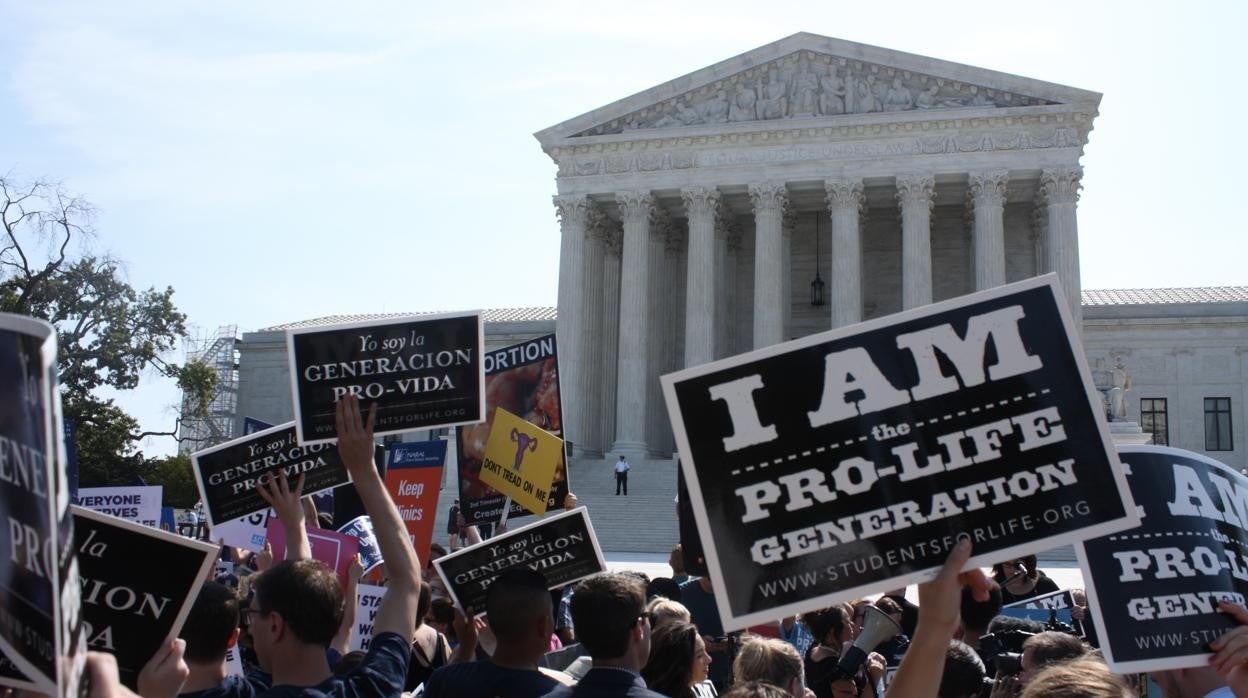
167 520
417 454
71 458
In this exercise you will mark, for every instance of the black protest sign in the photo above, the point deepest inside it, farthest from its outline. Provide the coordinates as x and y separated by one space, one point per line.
524 380
852 461
1155 589
563 547
138 585
227 474
39 625
421 372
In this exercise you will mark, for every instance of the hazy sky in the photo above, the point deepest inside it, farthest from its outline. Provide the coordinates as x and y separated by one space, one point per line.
278 161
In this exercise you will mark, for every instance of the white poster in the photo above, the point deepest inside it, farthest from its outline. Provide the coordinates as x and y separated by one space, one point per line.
246 533
138 504
369 598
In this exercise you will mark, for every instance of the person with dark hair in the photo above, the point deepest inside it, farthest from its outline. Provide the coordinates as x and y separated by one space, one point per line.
430 650
831 628
298 604
678 660
698 596
518 610
210 630
1048 647
976 615
612 625
964 672
1020 579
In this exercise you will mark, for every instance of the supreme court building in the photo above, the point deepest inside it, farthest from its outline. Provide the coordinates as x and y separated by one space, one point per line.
696 215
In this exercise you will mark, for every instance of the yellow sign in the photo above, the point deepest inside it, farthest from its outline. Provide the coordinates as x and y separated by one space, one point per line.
520 460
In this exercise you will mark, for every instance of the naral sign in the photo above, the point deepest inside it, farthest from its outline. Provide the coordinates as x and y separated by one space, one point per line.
853 460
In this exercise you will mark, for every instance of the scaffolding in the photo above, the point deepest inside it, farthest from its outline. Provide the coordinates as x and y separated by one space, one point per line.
216 424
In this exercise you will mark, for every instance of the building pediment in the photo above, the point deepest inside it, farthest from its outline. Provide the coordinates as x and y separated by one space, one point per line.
806 78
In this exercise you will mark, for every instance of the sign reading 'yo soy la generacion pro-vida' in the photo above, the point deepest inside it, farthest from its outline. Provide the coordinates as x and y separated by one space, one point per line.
421 372
852 461
227 474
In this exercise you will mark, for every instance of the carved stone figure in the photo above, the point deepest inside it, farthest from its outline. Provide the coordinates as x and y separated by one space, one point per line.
1118 393
804 100
831 93
715 109
773 102
898 97
865 100
927 98
979 99
743 105
688 115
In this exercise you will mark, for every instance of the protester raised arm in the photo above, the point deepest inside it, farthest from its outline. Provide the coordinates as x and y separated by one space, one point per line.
940 601
350 601
397 611
276 492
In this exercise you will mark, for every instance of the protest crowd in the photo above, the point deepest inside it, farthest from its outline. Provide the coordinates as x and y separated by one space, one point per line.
538 614
616 634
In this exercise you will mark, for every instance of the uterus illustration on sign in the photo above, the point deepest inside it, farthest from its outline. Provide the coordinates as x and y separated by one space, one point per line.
524 444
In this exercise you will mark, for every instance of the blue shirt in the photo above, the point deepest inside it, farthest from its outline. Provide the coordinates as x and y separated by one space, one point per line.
487 680
381 673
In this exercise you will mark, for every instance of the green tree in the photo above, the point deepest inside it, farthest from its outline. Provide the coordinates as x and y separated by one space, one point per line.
108 333
175 475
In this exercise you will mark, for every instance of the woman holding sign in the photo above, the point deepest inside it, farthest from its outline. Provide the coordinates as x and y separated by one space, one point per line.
1020 580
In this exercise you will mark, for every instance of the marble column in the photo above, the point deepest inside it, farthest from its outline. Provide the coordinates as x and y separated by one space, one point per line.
674 288
725 281
613 246
768 200
987 196
592 440
703 257
915 196
573 212
787 225
845 199
1060 191
660 344
636 209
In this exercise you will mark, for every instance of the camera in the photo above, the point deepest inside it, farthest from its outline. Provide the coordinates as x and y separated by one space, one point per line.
1003 651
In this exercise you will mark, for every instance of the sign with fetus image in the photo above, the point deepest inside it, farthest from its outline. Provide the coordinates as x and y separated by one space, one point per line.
523 379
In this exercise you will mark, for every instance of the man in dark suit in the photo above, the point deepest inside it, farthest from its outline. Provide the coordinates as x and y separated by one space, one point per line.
611 608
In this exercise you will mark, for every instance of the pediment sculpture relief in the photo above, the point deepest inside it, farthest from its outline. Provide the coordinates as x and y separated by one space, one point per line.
811 85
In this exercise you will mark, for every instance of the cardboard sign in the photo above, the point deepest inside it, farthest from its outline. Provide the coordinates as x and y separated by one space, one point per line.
852 461
520 460
562 546
227 474
414 480
141 505
370 553
368 600
524 380
1154 590
247 533
252 425
233 663
422 372
128 609
40 631
334 549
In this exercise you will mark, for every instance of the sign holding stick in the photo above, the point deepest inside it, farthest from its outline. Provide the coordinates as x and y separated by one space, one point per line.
227 474
414 479
40 632
421 372
852 461
520 460
562 546
128 608
1154 590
